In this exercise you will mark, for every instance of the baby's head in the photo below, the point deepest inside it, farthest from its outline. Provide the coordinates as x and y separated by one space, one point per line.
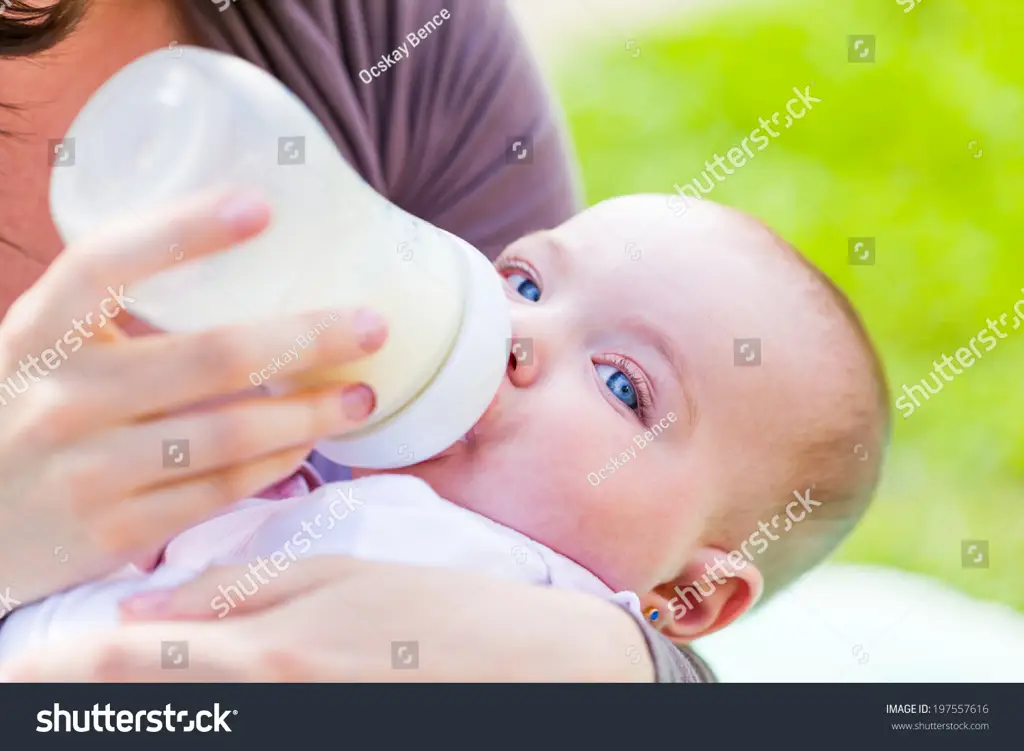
638 434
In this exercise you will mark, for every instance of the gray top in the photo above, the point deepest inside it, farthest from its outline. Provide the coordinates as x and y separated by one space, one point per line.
434 130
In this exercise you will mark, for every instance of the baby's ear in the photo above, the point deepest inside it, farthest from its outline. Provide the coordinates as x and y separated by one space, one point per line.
710 593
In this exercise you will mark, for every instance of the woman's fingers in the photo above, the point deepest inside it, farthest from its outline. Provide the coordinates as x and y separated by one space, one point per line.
150 518
192 599
175 652
230 359
163 373
99 529
146 653
84 287
233 451
223 436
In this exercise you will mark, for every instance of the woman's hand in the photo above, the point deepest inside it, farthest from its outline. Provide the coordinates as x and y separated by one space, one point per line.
332 618
83 484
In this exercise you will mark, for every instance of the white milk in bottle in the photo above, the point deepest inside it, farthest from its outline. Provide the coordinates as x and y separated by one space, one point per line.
178 122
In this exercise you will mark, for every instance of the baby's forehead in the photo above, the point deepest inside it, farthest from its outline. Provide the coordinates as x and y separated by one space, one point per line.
655 209
710 243
713 276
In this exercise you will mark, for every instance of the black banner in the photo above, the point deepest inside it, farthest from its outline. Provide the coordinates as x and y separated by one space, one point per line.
259 716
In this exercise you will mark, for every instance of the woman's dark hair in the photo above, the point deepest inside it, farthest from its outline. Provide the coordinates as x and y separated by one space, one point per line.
25 29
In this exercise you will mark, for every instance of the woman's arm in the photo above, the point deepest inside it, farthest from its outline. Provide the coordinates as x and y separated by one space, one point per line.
338 619
496 163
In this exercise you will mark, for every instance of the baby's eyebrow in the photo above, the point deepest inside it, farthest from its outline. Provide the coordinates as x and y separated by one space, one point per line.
650 333
560 255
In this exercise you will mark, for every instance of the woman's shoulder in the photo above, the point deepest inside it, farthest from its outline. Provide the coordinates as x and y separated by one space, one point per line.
438 104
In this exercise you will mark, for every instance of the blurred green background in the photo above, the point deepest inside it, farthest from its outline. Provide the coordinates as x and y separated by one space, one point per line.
923 149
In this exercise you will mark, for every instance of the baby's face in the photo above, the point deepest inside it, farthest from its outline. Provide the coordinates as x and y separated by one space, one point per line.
621 415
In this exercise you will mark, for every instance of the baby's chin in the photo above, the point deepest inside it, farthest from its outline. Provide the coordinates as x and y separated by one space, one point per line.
485 432
481 479
439 471
453 476
460 456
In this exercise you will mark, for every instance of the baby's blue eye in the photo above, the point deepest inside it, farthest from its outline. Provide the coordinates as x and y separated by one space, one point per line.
524 286
620 385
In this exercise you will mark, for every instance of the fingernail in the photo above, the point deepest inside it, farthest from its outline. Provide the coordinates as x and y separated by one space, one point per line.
358 401
243 211
147 605
371 328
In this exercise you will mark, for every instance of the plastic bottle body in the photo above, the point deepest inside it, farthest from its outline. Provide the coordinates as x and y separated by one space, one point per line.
180 121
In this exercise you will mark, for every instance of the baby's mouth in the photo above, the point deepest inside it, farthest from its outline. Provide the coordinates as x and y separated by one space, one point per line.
461 446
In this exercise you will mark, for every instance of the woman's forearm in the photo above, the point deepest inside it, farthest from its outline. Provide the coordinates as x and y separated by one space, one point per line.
580 639
622 636
321 623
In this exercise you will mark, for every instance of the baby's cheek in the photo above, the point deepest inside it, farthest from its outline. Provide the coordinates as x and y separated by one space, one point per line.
538 497
622 527
568 510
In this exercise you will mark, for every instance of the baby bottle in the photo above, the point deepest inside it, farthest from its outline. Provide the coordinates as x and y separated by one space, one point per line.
186 119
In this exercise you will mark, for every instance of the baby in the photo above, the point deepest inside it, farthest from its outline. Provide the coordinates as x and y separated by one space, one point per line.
680 380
